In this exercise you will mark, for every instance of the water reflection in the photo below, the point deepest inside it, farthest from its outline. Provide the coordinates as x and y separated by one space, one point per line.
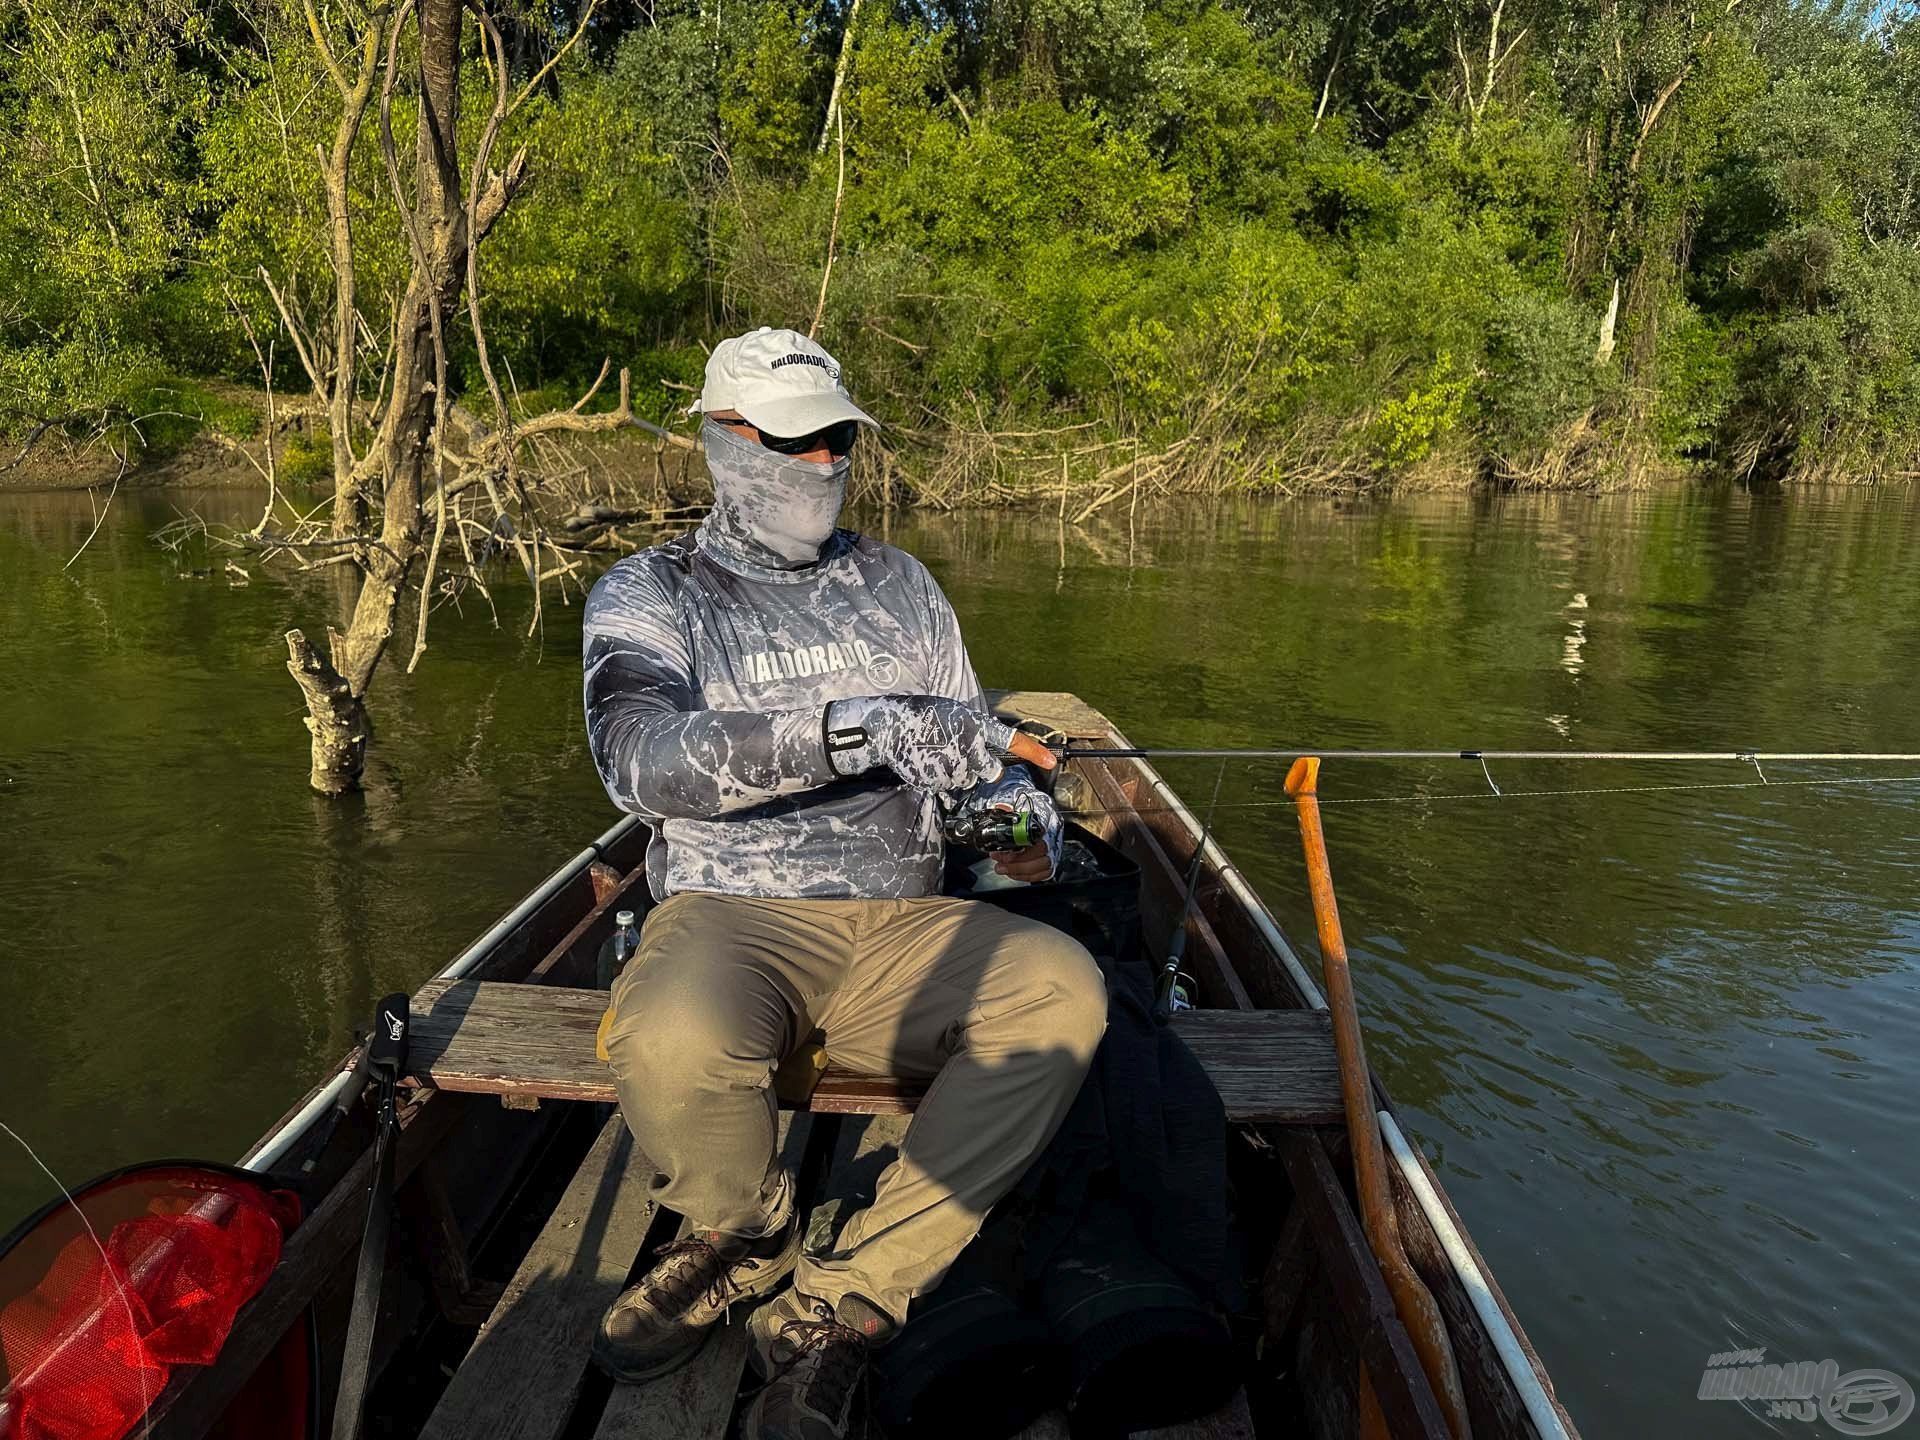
1661 1042
1576 637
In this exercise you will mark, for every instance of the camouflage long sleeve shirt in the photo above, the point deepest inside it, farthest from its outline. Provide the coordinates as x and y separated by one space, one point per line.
707 676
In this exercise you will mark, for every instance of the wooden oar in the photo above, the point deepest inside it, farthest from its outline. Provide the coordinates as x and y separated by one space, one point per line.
1411 1298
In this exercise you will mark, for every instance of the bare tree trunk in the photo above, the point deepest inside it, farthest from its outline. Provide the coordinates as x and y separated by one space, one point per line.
336 717
839 77
348 511
1333 69
1603 352
1493 58
335 686
444 223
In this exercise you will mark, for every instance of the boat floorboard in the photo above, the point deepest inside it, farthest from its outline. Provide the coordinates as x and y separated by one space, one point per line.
696 1401
524 1373
1232 1421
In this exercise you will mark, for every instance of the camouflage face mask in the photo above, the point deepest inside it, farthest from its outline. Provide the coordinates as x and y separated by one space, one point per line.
769 509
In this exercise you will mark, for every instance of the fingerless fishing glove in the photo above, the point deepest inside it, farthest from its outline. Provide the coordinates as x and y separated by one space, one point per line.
930 742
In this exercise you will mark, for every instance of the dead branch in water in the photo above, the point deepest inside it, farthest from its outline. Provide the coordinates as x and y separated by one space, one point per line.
100 517
972 463
437 470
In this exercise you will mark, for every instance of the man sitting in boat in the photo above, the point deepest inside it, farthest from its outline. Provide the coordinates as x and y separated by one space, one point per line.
792 708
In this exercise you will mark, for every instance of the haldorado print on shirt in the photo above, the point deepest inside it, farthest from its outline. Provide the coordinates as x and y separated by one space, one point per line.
706 679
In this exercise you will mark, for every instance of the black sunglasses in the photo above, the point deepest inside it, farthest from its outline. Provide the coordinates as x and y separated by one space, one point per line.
836 439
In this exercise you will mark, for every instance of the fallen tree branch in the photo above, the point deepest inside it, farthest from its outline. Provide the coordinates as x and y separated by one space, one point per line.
43 425
101 518
578 423
594 517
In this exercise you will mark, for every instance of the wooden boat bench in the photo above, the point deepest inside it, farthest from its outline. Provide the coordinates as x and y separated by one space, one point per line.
527 1043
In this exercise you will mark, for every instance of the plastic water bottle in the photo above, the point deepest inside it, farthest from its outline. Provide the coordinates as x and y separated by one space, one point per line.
617 950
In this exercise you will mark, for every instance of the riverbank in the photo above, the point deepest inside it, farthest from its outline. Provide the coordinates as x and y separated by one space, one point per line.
1074 468
215 436
199 433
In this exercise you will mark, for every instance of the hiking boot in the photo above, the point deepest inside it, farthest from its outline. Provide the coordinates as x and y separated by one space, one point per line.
660 1324
814 1358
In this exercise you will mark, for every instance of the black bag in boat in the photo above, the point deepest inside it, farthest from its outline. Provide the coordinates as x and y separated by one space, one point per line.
1101 1283
972 1362
1143 1350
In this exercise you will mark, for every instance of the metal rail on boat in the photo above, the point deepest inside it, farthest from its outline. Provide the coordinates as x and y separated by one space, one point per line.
276 1145
1533 1395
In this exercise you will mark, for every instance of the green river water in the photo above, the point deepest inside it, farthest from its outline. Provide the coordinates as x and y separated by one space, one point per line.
1663 1047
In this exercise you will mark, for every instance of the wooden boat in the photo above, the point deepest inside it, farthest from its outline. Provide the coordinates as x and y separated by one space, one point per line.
523 1206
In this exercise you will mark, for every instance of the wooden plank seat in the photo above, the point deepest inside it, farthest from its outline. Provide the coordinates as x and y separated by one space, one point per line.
536 1042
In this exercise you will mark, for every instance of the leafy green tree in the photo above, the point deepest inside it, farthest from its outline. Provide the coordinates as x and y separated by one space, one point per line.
1299 238
99 107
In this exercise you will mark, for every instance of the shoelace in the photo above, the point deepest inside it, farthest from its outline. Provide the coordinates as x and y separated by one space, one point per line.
683 1276
839 1356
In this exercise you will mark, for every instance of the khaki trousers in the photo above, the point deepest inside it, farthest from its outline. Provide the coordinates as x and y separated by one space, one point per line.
1001 1014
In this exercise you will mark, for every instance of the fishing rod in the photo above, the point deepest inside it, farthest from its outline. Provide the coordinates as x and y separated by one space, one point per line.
1065 751
1744 757
1167 993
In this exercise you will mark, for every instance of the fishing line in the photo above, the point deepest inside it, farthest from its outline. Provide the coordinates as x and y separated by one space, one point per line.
1498 794
119 1289
1761 784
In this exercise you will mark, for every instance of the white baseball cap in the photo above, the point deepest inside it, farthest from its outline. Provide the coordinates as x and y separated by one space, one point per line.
782 382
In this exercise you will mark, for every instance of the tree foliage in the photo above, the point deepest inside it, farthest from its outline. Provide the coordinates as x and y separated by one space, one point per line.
1348 240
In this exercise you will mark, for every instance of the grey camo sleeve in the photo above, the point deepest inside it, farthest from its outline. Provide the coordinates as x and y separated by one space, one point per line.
659 754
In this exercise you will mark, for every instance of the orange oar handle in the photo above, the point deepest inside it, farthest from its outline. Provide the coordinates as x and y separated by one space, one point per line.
1412 1301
